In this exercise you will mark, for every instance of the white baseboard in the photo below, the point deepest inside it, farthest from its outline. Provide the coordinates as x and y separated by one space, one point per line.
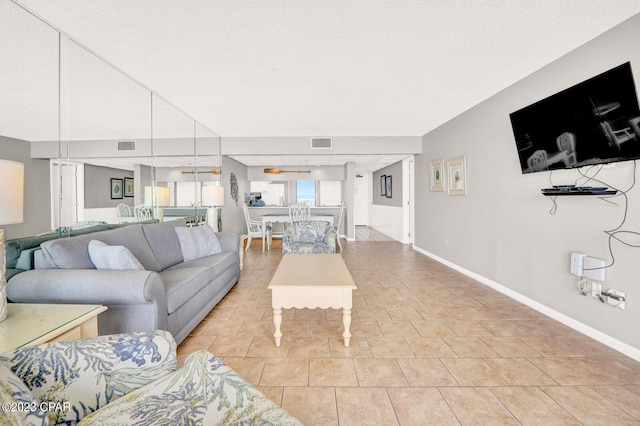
601 337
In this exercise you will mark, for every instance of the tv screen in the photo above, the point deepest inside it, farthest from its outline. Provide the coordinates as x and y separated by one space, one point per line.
594 122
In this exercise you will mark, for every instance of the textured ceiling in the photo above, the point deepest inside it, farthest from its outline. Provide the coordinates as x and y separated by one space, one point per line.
330 67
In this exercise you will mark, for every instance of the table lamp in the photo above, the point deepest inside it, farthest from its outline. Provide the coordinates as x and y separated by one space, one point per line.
214 196
11 211
161 196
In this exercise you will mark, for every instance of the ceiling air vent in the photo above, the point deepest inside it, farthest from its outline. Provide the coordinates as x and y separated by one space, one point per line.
126 145
321 143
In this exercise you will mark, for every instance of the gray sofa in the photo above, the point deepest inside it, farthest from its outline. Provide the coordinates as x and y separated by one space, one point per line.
169 294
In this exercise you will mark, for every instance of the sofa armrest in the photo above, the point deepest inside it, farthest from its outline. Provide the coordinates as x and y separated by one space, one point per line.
229 241
87 374
87 286
94 286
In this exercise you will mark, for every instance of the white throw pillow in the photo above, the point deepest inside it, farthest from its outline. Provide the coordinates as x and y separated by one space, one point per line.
197 242
105 256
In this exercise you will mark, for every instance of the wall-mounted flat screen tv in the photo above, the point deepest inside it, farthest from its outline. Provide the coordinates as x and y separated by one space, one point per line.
594 122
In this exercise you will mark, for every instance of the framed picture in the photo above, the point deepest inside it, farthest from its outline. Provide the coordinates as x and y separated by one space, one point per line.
457 176
116 188
436 174
128 187
388 185
383 185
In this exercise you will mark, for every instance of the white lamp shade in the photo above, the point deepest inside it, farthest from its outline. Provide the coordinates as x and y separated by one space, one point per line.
213 195
161 196
11 192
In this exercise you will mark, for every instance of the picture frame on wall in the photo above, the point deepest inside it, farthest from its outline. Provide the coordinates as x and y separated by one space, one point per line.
457 178
116 188
128 187
388 185
436 174
383 185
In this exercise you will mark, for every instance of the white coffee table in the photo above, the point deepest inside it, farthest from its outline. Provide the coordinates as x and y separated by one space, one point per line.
312 281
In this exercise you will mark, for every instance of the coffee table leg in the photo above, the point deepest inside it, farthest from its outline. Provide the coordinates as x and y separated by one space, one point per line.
346 320
277 321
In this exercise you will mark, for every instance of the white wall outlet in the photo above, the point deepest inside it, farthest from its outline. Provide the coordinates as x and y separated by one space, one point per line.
577 262
594 268
616 298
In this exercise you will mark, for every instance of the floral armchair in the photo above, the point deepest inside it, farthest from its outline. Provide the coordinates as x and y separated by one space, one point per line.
127 379
309 236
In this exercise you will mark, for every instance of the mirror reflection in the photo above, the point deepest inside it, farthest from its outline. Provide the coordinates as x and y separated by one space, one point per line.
98 138
105 122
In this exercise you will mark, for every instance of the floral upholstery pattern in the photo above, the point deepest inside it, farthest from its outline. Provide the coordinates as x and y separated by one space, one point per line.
128 379
13 392
89 373
204 391
309 236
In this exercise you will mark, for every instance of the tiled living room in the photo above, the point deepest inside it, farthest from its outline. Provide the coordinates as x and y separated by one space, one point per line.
439 141
428 346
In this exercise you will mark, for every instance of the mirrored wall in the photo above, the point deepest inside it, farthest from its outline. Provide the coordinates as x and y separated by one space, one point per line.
118 152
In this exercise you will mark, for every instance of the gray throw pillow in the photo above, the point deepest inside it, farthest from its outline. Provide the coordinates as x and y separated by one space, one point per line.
197 242
105 256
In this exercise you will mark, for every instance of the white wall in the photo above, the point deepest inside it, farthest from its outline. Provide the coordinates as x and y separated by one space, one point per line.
503 230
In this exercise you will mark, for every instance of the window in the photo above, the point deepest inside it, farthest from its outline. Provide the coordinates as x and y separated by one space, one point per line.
306 192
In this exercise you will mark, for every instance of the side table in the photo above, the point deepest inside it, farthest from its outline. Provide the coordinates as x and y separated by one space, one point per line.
36 323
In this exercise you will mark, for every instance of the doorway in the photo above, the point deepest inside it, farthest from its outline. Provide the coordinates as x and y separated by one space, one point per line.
67 193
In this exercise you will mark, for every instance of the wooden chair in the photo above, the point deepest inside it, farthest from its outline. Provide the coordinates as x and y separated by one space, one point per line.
256 228
143 213
617 137
567 143
299 212
124 213
538 161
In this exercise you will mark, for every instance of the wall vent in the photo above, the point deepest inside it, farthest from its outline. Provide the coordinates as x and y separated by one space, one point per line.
321 143
126 145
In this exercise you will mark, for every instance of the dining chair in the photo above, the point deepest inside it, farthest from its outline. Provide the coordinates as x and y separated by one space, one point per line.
567 143
299 212
538 161
255 228
124 213
143 213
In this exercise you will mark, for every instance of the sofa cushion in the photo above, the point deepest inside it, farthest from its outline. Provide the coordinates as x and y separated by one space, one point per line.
73 253
204 391
164 242
197 242
105 256
183 284
25 261
19 407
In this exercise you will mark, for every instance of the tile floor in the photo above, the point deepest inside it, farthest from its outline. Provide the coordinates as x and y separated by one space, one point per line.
429 346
